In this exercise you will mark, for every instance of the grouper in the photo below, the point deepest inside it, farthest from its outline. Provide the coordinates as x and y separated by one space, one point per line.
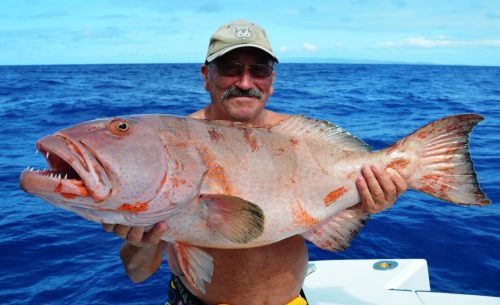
232 185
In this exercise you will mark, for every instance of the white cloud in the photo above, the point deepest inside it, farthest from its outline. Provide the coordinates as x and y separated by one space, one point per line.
283 48
423 42
309 47
438 42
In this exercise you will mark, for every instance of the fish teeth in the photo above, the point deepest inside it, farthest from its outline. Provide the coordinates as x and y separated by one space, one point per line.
65 176
47 154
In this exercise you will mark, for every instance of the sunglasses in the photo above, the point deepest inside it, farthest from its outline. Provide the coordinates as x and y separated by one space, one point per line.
236 69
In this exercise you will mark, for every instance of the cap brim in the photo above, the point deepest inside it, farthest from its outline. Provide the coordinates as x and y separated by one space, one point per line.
231 48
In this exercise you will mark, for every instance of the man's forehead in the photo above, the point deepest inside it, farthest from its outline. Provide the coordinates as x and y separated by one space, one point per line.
250 53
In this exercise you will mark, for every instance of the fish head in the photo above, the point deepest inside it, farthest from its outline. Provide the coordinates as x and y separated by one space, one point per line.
106 170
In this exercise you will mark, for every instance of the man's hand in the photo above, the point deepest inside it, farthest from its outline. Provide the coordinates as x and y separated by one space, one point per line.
136 235
141 253
378 189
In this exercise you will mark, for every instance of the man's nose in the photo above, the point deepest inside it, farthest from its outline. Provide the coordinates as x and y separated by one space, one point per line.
245 80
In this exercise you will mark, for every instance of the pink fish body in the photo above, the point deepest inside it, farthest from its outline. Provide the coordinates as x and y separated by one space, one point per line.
234 185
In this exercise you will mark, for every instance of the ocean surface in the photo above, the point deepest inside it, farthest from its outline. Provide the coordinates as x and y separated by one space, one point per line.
50 256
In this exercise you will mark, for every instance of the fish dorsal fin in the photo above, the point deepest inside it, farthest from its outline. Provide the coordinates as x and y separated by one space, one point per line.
336 232
299 125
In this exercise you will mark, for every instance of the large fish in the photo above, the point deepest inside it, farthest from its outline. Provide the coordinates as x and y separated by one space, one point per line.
234 185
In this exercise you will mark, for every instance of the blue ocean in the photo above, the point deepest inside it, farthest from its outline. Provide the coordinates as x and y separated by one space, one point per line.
51 256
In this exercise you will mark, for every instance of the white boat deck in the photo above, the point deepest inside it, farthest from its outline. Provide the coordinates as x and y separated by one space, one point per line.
379 282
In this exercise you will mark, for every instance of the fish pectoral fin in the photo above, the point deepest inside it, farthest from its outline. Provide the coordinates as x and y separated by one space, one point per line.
336 232
196 265
236 219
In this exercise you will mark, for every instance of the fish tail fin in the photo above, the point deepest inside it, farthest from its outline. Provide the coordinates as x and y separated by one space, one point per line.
443 166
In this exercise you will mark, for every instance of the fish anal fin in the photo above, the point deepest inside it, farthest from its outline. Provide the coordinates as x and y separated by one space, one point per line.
196 265
336 232
236 219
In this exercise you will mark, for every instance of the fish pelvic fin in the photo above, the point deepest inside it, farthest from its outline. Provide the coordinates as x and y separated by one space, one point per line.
236 219
443 166
336 232
195 264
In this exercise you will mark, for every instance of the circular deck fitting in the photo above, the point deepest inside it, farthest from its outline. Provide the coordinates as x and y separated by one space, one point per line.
385 265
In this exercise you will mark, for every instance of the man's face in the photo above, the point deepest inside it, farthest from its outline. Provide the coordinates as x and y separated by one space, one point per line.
237 92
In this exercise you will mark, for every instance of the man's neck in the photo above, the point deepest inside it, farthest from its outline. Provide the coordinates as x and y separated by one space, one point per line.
266 117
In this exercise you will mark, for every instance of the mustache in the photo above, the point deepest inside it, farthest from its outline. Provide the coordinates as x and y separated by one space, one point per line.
237 92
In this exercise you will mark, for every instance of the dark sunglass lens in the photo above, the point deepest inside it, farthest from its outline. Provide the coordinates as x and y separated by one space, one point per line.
261 70
230 69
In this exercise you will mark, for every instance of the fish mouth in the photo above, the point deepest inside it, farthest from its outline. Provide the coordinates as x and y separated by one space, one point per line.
74 171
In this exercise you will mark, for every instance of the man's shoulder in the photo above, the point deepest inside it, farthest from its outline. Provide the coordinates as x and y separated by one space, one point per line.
200 114
272 117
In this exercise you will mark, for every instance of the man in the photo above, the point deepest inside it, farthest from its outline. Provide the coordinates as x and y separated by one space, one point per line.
238 73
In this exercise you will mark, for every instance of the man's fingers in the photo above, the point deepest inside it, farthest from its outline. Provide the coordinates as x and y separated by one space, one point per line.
376 191
108 227
121 231
154 236
385 181
367 203
135 235
399 182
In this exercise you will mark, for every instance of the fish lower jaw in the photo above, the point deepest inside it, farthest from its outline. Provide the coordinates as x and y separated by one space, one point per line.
53 181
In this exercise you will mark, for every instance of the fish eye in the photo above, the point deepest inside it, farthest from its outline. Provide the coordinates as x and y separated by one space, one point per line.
119 127
123 126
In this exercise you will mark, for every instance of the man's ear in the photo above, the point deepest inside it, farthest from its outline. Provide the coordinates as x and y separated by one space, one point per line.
271 90
204 74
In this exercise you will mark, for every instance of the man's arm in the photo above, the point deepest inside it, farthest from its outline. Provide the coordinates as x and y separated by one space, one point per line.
141 253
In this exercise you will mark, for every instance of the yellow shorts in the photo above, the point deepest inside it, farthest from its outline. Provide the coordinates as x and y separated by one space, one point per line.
297 301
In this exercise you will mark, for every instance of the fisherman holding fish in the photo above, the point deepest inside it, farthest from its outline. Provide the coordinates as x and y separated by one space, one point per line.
238 73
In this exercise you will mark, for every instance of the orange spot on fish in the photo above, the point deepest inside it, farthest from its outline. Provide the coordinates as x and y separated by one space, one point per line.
81 187
391 149
134 208
334 195
432 178
69 195
58 188
215 172
180 145
215 135
250 140
301 217
422 134
294 141
176 182
280 151
350 175
398 164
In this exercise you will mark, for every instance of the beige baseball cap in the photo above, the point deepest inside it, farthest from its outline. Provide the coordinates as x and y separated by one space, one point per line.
238 34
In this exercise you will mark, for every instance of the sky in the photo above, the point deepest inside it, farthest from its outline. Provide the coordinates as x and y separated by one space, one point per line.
454 32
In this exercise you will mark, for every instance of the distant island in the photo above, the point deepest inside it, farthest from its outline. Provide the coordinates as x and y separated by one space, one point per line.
335 60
